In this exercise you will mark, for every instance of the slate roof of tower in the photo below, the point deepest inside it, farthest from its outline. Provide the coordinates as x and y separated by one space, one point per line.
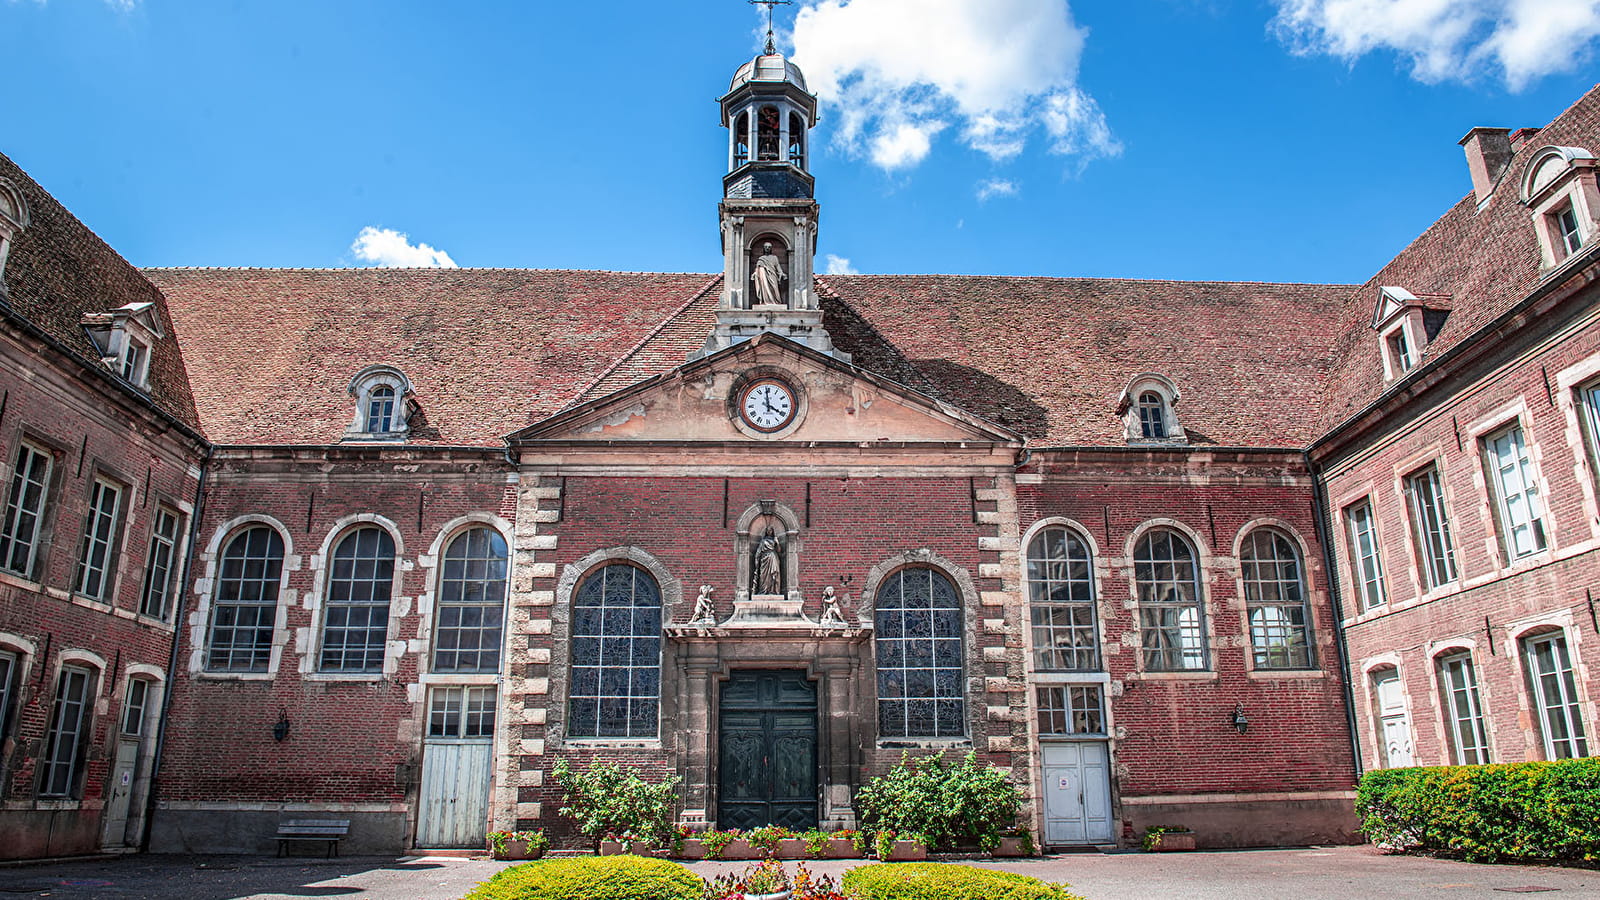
490 351
58 271
1486 260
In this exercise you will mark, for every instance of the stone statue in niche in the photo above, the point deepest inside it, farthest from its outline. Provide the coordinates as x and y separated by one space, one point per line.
767 278
832 616
704 613
766 565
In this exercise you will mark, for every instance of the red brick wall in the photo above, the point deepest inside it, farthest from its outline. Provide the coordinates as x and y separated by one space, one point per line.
1484 608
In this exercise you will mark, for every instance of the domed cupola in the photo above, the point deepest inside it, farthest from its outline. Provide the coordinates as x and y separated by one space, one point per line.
768 214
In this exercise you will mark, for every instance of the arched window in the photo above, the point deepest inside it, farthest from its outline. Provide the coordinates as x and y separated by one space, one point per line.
246 603
1061 591
472 602
1463 709
767 125
918 633
1152 415
741 140
380 410
797 141
616 655
1275 595
66 743
1167 574
360 581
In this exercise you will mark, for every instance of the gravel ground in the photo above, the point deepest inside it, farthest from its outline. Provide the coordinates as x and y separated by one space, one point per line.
1334 873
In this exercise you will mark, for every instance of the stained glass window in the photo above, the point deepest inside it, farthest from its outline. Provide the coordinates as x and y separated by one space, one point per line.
1061 591
357 619
918 637
246 605
616 655
472 602
1275 594
1168 578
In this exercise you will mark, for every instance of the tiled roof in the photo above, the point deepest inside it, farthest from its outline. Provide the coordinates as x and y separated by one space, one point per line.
488 351
1050 357
1485 260
492 351
59 271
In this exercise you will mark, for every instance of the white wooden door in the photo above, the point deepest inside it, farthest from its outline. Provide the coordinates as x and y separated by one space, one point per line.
122 777
457 757
1077 793
1396 722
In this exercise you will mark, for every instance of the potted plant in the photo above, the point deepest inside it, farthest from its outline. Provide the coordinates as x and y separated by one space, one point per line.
685 844
842 845
1018 842
765 880
1168 839
517 844
777 842
888 846
715 843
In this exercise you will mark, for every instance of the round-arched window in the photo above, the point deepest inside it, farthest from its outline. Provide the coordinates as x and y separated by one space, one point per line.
472 603
917 617
616 655
245 606
360 582
1166 573
1061 597
1275 596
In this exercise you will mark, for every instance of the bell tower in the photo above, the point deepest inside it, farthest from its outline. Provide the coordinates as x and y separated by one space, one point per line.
768 214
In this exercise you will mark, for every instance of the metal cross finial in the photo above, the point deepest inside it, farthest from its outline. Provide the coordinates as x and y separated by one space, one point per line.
772 46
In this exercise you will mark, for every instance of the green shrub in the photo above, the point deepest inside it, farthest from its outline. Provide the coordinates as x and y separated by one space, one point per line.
1538 810
965 803
592 878
607 799
943 881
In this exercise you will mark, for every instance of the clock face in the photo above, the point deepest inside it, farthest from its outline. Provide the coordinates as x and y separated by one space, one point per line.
768 404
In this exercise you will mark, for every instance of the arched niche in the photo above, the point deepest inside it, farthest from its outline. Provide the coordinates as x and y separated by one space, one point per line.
768 265
752 526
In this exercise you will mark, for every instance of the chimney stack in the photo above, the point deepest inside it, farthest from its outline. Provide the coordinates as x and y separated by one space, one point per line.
1488 154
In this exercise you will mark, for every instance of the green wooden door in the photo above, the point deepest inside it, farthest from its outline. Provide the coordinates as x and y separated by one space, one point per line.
767 760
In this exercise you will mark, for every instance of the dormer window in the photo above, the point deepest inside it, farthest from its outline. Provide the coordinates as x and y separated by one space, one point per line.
1405 324
1152 415
380 410
382 404
1149 410
124 338
13 219
1559 187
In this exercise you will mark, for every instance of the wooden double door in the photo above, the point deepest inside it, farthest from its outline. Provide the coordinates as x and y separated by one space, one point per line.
767 751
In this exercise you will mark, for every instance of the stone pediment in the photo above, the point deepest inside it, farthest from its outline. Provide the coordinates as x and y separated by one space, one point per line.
835 403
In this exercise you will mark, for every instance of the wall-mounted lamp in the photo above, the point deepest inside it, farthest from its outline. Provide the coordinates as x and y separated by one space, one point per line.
1238 721
280 728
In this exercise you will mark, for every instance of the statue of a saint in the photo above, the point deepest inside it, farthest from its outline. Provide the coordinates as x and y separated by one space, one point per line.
704 613
766 569
832 617
768 278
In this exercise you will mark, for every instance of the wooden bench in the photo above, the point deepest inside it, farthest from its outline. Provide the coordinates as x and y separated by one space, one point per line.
327 830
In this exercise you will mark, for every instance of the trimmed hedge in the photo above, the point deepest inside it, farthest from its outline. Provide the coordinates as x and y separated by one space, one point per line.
944 881
1537 810
592 878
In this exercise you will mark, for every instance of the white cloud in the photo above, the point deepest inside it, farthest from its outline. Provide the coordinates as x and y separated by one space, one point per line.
839 265
388 248
1449 39
896 73
996 187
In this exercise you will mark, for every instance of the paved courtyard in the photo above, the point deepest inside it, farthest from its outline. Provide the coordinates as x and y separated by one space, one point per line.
1334 873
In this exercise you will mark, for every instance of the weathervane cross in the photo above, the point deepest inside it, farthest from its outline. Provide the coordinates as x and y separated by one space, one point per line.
772 46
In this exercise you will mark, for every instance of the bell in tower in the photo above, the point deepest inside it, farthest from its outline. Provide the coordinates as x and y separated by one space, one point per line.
768 213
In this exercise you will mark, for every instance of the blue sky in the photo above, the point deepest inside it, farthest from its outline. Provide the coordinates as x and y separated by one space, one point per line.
1293 140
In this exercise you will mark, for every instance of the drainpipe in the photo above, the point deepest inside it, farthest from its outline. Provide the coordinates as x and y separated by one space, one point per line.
172 660
1325 539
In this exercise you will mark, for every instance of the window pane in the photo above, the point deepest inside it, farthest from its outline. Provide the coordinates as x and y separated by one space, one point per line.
1556 695
360 583
8 690
99 530
472 592
1463 712
1071 710
1275 597
64 742
246 604
25 500
616 655
1062 590
1431 525
158 565
1167 579
134 706
1367 563
1516 493
918 621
